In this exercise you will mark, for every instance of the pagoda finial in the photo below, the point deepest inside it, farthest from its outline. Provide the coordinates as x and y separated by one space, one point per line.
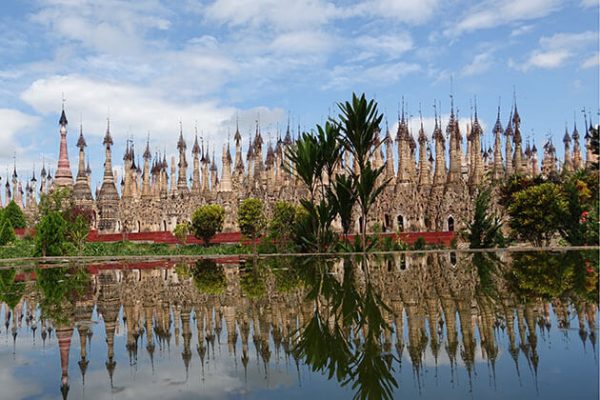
63 118
402 108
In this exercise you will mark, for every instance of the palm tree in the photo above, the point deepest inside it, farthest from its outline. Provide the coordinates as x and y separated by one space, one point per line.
359 123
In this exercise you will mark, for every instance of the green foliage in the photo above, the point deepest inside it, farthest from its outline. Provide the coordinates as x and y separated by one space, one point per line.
535 213
551 276
579 222
485 230
181 232
209 278
419 244
61 287
253 284
142 249
207 221
595 146
10 291
281 226
51 235
7 233
342 196
58 200
78 232
251 219
359 125
14 215
312 231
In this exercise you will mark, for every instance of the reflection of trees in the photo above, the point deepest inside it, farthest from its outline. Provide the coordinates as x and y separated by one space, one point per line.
60 287
551 276
209 277
10 291
341 308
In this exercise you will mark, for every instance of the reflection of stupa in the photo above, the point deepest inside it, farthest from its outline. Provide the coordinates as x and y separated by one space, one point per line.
108 305
64 332
431 306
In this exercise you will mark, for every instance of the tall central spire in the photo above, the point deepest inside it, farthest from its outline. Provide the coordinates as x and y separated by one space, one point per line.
63 176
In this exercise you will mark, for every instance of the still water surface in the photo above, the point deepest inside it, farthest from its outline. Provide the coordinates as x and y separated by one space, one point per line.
428 326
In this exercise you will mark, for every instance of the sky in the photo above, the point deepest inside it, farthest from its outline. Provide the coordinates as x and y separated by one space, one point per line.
151 65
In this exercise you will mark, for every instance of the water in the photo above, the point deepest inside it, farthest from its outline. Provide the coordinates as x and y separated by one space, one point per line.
438 325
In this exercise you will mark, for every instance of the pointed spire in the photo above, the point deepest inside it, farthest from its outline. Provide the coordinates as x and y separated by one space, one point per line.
237 137
566 137
181 146
63 117
81 141
108 141
196 147
147 153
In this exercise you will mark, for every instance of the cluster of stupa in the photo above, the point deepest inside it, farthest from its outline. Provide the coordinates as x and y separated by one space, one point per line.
431 188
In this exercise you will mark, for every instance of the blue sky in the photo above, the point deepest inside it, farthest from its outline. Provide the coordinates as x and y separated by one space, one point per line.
149 64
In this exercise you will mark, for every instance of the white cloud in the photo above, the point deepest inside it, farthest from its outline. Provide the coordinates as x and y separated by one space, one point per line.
593 61
521 30
480 64
492 13
109 26
14 122
135 111
409 11
382 74
556 50
273 14
390 46
305 42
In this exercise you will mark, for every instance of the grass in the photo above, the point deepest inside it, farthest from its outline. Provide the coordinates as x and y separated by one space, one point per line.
25 249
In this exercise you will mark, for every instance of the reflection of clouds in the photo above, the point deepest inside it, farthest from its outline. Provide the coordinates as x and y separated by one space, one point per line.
17 387
223 375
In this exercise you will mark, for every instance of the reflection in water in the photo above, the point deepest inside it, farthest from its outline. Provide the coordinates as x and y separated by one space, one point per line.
355 321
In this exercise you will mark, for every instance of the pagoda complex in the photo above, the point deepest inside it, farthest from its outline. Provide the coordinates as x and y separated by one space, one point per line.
434 176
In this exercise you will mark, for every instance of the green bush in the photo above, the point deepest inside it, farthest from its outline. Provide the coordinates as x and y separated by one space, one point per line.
419 244
251 219
207 221
536 213
51 235
281 226
181 232
14 215
7 233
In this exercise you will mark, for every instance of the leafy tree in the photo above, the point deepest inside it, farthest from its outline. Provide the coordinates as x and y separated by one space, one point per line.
77 232
207 220
484 231
182 231
595 146
536 213
14 215
281 226
58 199
51 235
7 233
251 219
